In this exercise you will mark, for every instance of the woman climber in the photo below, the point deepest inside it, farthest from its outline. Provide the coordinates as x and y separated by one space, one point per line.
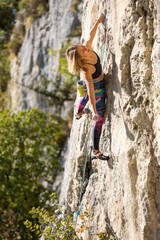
82 58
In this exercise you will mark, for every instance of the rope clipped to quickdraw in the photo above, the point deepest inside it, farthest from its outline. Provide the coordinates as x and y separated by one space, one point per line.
83 177
79 210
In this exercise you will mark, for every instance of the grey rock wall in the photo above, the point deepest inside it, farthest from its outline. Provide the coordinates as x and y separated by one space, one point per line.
122 195
34 62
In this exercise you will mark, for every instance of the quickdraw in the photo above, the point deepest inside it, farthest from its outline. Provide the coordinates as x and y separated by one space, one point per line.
79 210
158 40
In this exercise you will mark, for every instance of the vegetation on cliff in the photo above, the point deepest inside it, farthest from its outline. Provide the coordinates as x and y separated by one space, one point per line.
6 24
15 17
30 146
58 224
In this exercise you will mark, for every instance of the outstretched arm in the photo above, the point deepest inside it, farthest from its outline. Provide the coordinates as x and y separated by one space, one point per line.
89 41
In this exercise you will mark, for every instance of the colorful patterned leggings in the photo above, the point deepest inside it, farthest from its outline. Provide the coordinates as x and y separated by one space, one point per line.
100 107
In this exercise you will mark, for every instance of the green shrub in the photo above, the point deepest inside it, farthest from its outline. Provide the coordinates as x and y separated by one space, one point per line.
4 69
30 146
5 101
6 24
15 44
57 225
7 17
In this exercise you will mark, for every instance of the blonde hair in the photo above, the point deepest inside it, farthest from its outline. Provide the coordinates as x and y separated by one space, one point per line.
75 63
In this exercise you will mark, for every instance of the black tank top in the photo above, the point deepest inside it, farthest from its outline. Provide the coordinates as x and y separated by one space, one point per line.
98 67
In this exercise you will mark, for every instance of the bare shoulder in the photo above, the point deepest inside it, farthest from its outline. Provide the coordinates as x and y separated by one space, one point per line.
88 44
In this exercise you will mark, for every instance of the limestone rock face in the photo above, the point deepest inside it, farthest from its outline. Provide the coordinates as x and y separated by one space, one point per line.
34 63
122 196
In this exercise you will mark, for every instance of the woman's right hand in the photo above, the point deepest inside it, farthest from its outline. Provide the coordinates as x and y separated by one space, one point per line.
95 117
101 18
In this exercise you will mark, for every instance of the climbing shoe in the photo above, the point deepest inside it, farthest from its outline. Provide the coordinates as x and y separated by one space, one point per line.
85 111
98 155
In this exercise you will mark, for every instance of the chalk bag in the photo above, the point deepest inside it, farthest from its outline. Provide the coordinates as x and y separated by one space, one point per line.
81 87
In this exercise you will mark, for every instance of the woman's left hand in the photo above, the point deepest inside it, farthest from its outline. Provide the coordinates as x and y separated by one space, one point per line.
95 117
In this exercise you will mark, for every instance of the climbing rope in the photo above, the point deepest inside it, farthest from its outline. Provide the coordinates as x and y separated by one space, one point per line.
87 151
88 146
83 177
